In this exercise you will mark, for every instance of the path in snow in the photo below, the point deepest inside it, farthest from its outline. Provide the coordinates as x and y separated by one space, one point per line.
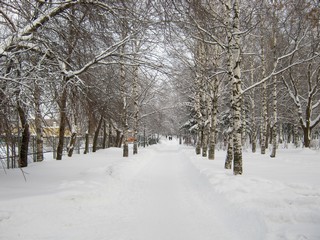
168 199
158 196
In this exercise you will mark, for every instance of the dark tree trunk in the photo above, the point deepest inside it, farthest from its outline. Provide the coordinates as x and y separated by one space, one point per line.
118 139
296 135
104 142
96 135
86 148
62 126
110 144
306 137
23 160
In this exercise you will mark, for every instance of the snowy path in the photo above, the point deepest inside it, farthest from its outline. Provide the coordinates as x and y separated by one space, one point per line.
163 193
161 197
172 200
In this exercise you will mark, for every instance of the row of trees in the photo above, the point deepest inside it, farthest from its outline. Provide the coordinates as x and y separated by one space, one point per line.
250 72
242 71
87 64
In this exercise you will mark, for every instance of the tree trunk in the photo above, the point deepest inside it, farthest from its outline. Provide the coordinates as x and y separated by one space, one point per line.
306 137
199 96
264 110
264 113
212 141
229 157
86 148
136 110
296 135
306 127
96 135
205 141
118 139
23 156
280 133
235 78
72 143
110 144
135 101
62 125
199 141
252 110
125 126
244 125
104 141
37 122
275 119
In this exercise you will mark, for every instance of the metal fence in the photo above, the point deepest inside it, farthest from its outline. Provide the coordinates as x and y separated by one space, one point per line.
10 147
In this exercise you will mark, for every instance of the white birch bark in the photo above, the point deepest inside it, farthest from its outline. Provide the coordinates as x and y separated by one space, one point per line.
135 110
229 157
253 116
198 99
213 118
123 92
274 90
244 124
275 119
38 125
228 22
234 45
264 110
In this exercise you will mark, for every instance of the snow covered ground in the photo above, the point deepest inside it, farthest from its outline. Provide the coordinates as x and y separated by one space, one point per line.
165 192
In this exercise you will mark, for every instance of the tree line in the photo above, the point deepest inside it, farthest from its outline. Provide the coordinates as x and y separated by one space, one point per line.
249 71
86 64
237 72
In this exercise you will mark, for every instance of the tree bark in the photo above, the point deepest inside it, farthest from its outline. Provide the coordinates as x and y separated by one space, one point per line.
229 157
296 135
212 141
199 140
86 148
274 90
205 141
110 144
62 125
37 122
275 119
264 110
118 139
253 115
235 78
104 141
96 135
280 132
136 110
72 142
23 156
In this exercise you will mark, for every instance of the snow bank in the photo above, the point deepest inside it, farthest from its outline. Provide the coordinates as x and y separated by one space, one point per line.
165 192
285 191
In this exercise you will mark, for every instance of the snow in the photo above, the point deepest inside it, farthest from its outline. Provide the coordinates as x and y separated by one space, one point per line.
165 192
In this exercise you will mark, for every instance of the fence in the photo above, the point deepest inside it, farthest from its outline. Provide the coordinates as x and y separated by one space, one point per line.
10 147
